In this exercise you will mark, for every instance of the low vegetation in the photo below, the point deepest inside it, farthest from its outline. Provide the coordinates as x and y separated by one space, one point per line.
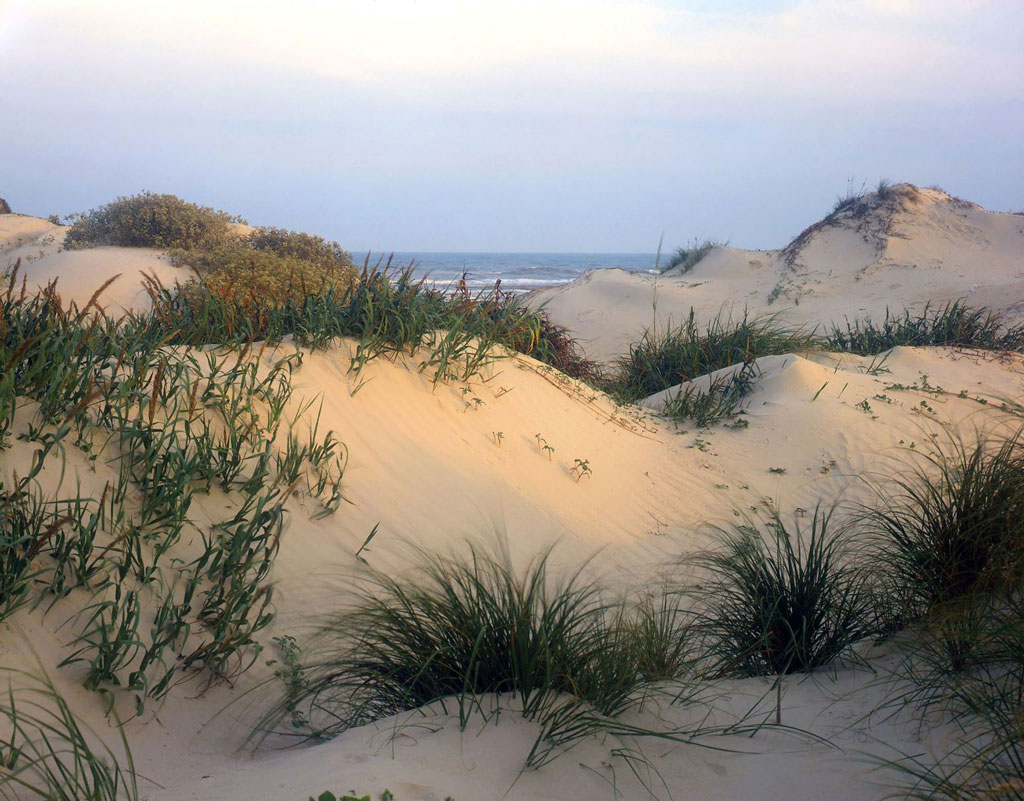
667 357
463 629
685 259
773 600
48 754
953 325
190 401
720 401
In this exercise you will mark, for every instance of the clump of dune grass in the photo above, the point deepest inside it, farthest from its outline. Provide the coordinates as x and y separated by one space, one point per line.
47 753
669 356
979 689
721 400
953 325
953 526
951 553
775 600
685 259
460 629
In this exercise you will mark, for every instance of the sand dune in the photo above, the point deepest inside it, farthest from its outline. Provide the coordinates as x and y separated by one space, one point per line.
913 247
79 273
435 468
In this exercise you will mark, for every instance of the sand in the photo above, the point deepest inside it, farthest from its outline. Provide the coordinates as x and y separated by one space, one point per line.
79 273
427 466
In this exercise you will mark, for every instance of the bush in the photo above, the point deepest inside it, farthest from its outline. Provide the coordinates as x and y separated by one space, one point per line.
308 248
956 324
149 220
669 357
774 603
5 207
954 528
232 268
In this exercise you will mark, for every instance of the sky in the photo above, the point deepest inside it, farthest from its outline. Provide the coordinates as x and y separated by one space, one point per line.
511 125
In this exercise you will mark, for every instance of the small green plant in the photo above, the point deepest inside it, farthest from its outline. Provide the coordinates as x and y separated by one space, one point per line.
498 437
780 471
581 468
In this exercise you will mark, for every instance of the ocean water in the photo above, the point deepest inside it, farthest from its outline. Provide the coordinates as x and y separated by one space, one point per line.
519 272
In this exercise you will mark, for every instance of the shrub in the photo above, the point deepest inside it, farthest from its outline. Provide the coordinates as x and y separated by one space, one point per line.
664 359
955 324
308 248
149 220
954 527
5 207
775 603
233 269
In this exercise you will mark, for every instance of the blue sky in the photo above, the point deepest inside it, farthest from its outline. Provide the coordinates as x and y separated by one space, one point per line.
573 125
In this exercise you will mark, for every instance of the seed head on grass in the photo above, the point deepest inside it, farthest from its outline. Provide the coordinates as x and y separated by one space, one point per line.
777 602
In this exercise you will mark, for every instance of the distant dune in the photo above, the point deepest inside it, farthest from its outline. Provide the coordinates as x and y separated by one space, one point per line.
907 248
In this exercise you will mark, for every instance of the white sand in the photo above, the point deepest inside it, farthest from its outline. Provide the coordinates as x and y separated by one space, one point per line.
426 465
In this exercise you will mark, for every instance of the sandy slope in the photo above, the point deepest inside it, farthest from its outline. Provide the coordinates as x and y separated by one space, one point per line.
427 467
915 246
79 273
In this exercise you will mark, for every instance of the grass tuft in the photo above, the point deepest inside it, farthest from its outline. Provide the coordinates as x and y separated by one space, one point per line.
953 325
776 602
665 358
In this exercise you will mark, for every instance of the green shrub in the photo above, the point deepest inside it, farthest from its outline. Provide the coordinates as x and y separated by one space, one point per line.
665 358
232 268
308 248
776 603
149 220
5 207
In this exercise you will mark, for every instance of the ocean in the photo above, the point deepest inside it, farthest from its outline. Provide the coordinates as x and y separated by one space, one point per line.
519 272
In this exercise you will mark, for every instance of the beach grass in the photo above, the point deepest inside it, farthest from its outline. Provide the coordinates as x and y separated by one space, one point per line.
773 600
